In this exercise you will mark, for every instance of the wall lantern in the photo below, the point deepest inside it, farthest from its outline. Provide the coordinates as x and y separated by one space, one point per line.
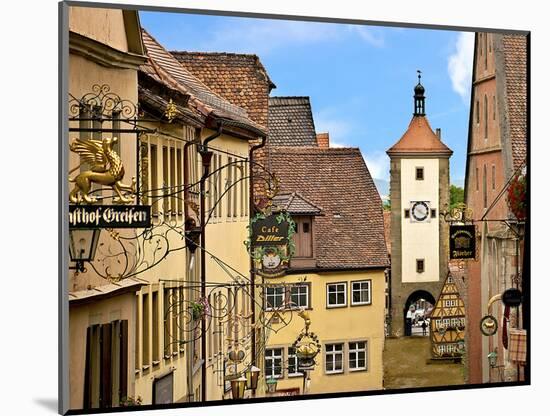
238 386
82 247
271 383
252 377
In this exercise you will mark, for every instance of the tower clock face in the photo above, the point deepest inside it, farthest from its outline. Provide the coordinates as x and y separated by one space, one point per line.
420 211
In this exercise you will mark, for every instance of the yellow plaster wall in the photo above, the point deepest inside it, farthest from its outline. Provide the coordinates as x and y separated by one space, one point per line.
350 323
104 25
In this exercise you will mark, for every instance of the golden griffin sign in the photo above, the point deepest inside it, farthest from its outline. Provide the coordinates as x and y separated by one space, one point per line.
106 169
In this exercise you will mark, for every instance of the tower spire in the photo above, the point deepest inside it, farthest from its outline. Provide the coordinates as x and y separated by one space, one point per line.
419 104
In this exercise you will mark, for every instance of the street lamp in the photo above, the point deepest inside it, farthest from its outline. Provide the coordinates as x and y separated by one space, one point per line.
82 247
252 377
238 386
271 383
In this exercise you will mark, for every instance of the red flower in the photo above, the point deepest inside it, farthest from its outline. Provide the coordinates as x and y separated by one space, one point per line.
517 196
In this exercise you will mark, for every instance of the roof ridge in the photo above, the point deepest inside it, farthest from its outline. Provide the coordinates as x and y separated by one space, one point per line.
248 55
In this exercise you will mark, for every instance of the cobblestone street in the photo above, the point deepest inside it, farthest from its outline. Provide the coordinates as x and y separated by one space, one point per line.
406 365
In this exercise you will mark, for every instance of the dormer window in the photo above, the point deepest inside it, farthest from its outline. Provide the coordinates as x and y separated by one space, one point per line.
303 237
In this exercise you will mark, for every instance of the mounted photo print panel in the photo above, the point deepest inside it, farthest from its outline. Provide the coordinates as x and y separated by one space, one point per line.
260 208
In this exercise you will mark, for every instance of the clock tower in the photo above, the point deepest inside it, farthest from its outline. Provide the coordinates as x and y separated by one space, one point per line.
419 192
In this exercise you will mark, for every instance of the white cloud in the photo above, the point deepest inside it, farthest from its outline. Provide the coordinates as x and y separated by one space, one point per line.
327 120
263 36
369 35
379 165
459 65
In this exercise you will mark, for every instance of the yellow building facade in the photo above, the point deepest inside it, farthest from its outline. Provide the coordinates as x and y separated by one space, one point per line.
133 339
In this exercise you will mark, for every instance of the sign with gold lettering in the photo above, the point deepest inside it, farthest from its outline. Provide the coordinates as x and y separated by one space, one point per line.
269 231
462 242
109 216
270 243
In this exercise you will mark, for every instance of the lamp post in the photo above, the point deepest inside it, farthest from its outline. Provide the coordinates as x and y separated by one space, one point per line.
82 247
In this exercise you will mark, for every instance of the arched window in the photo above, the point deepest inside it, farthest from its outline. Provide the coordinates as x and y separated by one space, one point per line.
484 184
477 112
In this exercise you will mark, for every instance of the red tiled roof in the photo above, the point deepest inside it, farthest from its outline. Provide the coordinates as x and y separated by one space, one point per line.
163 66
515 67
350 234
419 139
239 78
295 203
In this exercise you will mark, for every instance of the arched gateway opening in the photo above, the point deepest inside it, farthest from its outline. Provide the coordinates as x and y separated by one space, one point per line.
416 309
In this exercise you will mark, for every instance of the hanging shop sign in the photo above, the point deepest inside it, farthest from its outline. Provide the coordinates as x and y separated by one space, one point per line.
270 243
109 216
270 230
512 297
462 242
488 325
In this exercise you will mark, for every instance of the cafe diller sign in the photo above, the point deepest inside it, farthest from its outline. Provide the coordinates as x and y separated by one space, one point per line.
462 242
268 232
109 216
270 243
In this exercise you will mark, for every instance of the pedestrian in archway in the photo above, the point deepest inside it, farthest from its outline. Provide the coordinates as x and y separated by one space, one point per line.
424 326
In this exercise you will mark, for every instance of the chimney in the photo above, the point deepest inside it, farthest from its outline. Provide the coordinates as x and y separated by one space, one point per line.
438 133
323 140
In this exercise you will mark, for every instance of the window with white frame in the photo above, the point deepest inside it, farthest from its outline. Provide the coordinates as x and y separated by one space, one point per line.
292 360
336 295
334 358
274 297
357 355
299 296
274 362
361 292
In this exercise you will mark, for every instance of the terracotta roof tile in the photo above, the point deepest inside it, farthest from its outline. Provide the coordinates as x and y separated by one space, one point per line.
291 122
295 203
162 65
239 78
419 139
515 67
350 234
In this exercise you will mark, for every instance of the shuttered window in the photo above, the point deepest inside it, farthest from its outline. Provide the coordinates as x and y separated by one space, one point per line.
106 368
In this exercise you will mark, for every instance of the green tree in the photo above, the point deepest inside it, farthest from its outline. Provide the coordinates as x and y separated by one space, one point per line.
456 196
386 205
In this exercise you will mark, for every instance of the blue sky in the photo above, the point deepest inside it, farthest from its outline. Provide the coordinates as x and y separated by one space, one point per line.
360 78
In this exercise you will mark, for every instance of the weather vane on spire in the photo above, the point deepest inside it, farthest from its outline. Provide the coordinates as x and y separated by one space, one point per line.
419 74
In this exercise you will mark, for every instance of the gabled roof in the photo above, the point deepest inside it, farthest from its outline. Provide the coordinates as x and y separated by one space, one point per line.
515 68
291 122
419 139
239 78
295 203
163 66
350 234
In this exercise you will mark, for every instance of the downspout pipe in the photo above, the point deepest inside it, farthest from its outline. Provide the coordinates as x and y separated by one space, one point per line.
252 274
206 157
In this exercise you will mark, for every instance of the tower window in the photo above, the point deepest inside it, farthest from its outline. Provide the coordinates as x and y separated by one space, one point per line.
477 179
477 112
493 175
419 265
419 174
494 108
432 213
407 213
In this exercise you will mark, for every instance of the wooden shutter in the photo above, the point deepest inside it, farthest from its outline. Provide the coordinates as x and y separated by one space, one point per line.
123 389
105 372
87 371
